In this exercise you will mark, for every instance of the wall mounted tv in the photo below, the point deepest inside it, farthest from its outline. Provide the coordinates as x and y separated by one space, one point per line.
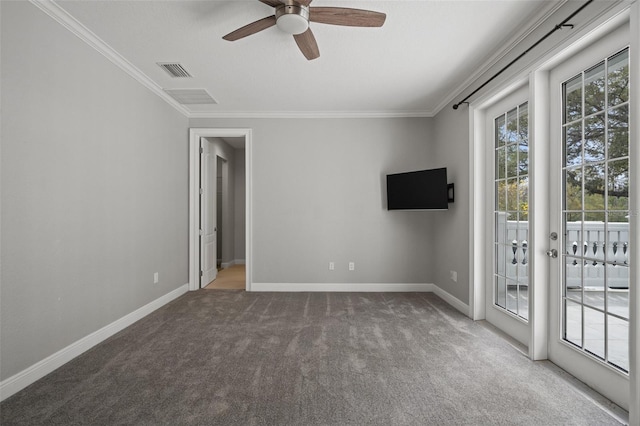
419 190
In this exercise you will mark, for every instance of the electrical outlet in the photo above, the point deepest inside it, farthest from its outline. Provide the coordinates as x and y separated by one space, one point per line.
332 266
454 276
352 266
155 278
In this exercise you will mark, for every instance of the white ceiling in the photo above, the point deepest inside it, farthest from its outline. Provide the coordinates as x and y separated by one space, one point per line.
412 66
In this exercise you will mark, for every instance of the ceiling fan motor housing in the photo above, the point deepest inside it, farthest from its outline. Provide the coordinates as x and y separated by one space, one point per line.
292 18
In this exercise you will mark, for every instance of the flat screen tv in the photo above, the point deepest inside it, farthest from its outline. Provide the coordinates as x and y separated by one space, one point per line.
419 190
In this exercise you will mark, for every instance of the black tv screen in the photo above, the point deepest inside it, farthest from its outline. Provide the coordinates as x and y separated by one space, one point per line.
419 190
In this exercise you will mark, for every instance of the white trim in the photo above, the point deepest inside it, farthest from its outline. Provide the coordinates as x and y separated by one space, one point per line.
85 34
194 198
539 221
452 300
634 158
40 369
314 114
476 217
345 287
231 263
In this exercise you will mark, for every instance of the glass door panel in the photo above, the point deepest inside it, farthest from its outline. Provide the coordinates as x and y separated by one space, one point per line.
595 211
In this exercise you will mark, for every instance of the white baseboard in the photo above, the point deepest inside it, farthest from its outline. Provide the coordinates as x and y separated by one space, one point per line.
40 369
365 287
452 300
229 264
354 287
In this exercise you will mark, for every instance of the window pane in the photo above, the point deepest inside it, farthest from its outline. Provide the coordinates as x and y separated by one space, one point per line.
618 342
512 160
573 99
573 144
501 130
618 292
523 124
523 159
512 195
594 332
594 142
573 278
594 187
618 78
573 189
523 301
594 89
573 322
501 163
501 196
618 185
618 132
501 292
512 126
512 296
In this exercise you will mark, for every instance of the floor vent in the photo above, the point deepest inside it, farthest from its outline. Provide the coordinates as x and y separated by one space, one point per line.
191 96
174 70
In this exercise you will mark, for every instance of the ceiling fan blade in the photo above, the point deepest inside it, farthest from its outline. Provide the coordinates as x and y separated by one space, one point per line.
346 16
307 44
272 3
252 28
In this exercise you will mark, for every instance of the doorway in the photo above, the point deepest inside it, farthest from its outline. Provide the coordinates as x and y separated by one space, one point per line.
196 205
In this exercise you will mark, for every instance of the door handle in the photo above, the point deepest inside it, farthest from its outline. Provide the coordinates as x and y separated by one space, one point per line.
553 253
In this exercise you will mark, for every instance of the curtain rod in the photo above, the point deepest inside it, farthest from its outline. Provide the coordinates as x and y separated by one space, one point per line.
561 25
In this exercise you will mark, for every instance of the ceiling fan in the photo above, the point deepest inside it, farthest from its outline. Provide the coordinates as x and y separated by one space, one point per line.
293 17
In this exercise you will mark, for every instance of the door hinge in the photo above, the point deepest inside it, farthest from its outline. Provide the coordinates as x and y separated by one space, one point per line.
200 232
201 191
201 150
201 273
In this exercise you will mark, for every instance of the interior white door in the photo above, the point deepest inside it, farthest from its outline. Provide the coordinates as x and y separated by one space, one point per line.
589 213
507 183
208 200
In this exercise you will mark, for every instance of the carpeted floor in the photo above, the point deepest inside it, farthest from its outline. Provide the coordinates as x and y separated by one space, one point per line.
230 357
231 278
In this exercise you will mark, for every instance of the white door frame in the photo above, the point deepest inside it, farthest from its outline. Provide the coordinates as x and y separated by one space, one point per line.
194 199
480 173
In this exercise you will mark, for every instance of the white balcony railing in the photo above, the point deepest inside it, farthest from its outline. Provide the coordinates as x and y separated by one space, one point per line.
587 245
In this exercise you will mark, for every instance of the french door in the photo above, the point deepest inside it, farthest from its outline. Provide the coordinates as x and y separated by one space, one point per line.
589 216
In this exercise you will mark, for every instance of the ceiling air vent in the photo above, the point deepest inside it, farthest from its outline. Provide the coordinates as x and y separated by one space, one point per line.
174 70
191 96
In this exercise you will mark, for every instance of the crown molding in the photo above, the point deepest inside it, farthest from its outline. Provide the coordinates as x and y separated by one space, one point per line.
83 33
516 38
314 114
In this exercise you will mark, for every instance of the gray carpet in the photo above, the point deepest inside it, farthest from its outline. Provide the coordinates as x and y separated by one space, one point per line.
235 358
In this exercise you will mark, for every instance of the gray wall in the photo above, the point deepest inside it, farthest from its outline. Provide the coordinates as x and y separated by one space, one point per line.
451 228
318 196
94 190
240 206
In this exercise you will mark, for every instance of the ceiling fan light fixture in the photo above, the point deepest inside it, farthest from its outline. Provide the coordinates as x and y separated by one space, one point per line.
292 19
